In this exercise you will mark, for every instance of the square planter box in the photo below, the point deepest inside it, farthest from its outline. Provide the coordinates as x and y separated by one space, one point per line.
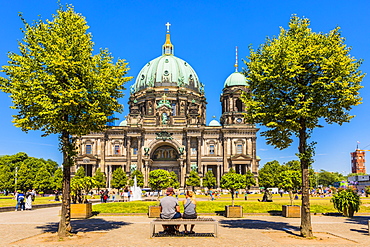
234 211
291 211
154 211
81 211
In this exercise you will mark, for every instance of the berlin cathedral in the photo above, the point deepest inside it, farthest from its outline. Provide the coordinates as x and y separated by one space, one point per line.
166 126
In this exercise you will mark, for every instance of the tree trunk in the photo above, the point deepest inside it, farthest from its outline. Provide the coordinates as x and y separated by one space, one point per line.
306 227
65 227
232 198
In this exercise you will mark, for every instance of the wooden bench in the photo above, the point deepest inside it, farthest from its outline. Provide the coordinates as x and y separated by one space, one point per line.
198 221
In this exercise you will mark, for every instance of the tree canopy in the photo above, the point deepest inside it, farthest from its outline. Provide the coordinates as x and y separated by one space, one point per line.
21 172
193 180
326 178
295 80
162 179
119 178
249 180
232 182
59 87
209 180
100 179
267 174
139 178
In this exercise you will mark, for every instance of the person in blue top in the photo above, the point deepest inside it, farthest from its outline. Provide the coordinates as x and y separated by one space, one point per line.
20 201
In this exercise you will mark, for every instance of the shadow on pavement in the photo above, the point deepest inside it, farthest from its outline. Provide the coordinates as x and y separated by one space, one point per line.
257 224
86 225
360 220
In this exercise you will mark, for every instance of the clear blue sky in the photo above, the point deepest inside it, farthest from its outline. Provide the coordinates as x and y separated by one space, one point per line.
204 34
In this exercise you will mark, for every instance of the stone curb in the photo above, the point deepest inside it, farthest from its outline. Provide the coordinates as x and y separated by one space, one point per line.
37 206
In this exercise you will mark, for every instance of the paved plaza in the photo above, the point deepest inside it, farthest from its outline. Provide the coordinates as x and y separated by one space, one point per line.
34 228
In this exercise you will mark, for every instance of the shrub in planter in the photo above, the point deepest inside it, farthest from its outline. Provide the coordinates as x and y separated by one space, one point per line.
347 202
232 182
81 186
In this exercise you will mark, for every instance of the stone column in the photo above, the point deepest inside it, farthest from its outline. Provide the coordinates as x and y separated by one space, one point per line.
249 146
139 158
182 173
254 155
199 155
109 176
102 157
188 155
218 175
128 152
145 172
226 154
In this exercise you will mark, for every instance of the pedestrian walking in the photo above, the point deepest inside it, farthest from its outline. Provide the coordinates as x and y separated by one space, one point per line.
20 201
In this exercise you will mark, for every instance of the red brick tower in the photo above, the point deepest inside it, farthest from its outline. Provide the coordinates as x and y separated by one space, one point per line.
358 161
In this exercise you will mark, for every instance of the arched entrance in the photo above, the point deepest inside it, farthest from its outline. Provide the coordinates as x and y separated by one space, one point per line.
165 157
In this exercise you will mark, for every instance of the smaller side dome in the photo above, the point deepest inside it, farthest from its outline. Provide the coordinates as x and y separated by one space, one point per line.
123 123
236 79
214 123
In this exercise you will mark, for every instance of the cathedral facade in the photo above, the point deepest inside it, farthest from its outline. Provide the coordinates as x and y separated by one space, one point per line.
166 126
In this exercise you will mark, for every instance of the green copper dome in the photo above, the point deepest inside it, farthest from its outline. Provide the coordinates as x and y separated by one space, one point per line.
235 79
167 70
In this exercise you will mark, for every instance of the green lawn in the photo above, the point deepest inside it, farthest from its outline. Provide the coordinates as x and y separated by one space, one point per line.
318 205
38 200
252 205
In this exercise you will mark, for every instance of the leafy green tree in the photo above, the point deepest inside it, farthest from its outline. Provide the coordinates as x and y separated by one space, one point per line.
80 187
232 182
13 159
42 180
119 178
159 179
139 178
59 87
174 181
101 179
356 174
25 180
295 80
326 178
290 180
6 178
193 180
267 174
80 173
57 179
209 180
250 180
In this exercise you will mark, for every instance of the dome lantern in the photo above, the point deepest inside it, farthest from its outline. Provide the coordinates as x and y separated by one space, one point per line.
168 46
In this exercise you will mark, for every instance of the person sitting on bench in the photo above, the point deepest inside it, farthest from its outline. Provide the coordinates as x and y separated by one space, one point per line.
170 209
189 210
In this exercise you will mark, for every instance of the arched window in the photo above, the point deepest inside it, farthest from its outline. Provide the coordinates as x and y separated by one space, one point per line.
165 153
239 105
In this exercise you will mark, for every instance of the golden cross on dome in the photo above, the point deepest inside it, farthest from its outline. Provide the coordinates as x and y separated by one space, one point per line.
168 26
